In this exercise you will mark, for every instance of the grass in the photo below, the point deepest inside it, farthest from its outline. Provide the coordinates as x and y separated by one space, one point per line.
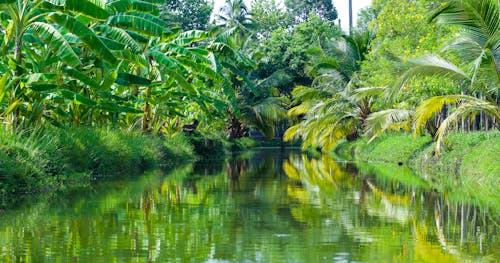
46 158
392 148
469 166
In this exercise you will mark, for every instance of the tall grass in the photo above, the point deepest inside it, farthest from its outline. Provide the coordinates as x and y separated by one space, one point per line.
32 160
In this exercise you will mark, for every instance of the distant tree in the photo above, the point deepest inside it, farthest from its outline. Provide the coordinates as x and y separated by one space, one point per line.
235 13
269 16
365 16
301 9
236 20
287 49
188 14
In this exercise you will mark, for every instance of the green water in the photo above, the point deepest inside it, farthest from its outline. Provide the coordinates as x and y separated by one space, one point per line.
270 206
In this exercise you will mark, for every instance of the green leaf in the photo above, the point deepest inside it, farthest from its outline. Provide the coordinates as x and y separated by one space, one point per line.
121 36
131 57
56 42
108 106
126 79
87 8
142 23
40 77
109 80
189 37
56 2
78 75
180 80
126 109
77 97
138 37
6 2
112 44
3 86
12 107
168 62
122 6
85 34
43 86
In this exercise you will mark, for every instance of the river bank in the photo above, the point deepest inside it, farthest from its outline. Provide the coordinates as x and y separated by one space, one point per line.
52 158
469 165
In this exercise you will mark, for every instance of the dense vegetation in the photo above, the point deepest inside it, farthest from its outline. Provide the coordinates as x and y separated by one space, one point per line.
150 66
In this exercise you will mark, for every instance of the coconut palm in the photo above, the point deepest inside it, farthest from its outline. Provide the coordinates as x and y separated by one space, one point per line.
235 13
325 120
335 107
266 110
235 19
478 49
468 107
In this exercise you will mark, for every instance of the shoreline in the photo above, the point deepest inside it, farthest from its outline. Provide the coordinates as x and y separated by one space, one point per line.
468 168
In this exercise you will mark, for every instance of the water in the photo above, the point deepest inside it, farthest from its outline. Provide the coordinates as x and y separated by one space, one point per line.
270 206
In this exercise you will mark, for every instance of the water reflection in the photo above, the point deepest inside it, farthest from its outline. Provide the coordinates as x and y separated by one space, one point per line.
267 207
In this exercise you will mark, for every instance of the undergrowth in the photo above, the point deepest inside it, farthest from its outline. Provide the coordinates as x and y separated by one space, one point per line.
45 158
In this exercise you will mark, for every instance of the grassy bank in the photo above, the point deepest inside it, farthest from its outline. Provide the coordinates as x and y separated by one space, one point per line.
37 160
468 167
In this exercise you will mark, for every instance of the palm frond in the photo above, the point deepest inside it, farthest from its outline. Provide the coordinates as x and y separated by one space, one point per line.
479 18
429 108
432 106
369 91
292 133
390 119
469 109
301 109
428 65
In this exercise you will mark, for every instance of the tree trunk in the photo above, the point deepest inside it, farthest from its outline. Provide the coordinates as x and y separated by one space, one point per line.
146 119
18 54
18 58
235 128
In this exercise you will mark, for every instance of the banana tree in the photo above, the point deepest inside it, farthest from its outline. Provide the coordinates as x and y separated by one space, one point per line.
168 70
32 26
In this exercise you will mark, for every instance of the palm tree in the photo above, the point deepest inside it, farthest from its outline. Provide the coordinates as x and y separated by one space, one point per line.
478 49
334 107
236 20
264 111
235 13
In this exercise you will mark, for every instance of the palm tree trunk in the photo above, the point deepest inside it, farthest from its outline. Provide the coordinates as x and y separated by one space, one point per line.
18 45
147 113
18 58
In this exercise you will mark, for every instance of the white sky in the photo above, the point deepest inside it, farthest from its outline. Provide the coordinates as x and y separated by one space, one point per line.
341 5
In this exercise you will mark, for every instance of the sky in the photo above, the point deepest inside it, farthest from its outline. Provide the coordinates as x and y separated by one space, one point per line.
341 5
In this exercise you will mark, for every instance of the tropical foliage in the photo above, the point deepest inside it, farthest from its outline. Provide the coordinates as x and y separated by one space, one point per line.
424 66
428 67
474 104
98 63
